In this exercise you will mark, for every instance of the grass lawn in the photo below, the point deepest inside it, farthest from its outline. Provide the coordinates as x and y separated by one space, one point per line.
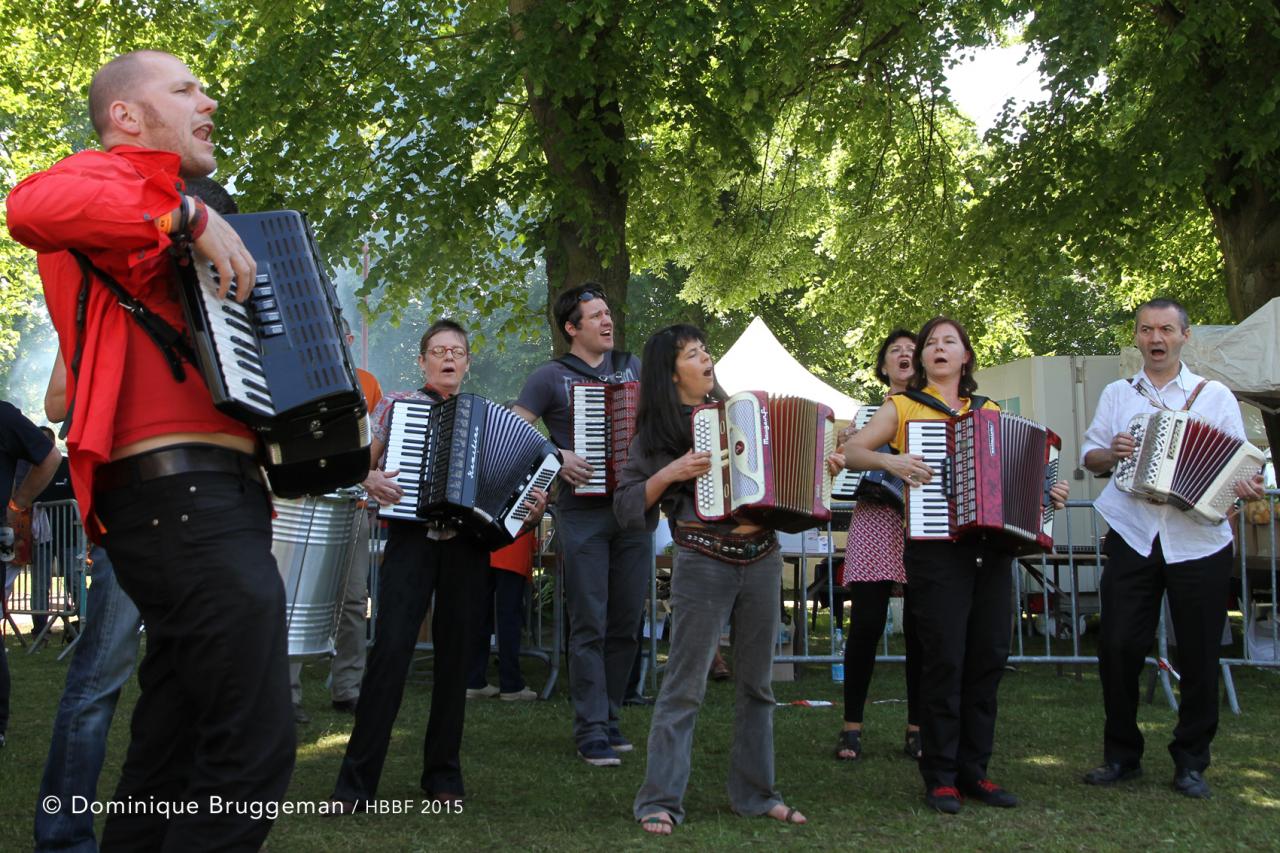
528 790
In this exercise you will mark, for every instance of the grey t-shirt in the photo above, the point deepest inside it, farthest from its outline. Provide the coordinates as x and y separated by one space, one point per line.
546 391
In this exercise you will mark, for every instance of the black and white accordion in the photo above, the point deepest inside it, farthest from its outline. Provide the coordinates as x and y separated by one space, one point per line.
1182 460
279 362
991 475
475 464
768 460
845 485
604 422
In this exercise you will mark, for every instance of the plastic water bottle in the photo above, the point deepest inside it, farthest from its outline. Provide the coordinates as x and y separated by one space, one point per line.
837 669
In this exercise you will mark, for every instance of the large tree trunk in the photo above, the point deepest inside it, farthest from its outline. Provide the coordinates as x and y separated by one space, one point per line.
585 236
1248 231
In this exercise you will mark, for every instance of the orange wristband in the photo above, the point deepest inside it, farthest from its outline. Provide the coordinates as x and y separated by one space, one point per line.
164 223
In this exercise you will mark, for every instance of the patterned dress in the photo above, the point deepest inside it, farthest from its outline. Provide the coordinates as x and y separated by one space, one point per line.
874 549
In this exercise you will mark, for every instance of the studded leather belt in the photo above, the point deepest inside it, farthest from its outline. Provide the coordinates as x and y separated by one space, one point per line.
736 548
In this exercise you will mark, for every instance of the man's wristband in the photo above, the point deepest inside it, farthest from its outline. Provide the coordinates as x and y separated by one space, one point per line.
199 218
20 509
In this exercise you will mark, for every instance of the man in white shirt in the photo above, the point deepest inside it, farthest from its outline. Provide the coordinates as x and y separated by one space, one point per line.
1154 549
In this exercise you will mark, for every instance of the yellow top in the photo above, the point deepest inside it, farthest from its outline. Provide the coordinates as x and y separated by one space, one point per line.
910 410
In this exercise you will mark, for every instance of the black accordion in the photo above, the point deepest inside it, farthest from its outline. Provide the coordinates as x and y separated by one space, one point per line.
475 464
279 362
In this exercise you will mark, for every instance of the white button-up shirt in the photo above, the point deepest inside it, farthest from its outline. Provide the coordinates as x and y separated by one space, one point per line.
1136 519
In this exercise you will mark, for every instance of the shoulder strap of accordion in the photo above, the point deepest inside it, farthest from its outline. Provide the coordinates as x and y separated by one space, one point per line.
170 341
977 401
615 358
1195 392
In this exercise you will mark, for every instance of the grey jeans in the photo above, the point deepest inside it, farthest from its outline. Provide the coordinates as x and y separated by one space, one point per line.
606 576
704 593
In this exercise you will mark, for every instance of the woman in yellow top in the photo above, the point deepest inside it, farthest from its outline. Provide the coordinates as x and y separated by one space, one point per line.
960 591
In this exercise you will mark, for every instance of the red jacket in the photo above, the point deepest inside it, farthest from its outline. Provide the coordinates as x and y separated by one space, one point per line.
104 203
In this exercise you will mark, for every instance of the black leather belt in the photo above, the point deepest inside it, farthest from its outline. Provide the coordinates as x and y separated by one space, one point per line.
177 459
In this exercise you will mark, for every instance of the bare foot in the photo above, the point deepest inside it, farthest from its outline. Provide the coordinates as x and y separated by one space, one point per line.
786 814
658 823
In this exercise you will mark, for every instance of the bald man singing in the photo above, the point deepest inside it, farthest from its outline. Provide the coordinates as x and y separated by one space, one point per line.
165 482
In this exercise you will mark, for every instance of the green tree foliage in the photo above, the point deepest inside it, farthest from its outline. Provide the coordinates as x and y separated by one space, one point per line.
1154 165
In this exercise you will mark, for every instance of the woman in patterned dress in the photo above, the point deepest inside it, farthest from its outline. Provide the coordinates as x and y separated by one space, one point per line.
872 569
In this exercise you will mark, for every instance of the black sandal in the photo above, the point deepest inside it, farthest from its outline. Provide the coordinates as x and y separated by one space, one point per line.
913 748
850 741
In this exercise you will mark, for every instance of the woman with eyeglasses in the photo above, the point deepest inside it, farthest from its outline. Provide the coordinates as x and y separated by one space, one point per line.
722 570
421 559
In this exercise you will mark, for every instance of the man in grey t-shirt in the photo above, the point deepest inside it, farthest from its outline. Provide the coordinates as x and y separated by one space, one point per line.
606 571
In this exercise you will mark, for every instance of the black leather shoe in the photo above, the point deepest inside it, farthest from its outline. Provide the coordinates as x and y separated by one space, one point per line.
1111 773
943 799
988 792
346 706
637 699
1190 783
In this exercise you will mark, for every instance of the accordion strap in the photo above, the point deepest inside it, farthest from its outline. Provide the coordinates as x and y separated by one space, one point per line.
614 359
1191 398
171 342
977 401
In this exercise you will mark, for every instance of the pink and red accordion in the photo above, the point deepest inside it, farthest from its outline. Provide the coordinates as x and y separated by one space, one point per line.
1182 460
991 475
604 422
768 460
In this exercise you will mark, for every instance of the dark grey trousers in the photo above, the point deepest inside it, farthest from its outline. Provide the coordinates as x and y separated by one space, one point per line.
704 593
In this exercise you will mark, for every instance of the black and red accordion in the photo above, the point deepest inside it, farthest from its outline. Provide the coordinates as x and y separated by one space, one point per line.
991 475
768 460
1181 460
604 422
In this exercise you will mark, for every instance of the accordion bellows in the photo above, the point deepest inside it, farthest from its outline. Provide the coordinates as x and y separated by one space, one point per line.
1182 460
768 460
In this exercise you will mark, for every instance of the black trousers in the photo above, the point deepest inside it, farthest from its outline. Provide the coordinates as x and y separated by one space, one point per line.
413 569
961 595
213 721
1131 589
870 600
502 606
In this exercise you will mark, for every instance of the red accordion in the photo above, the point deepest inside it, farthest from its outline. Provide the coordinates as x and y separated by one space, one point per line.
768 460
604 422
991 475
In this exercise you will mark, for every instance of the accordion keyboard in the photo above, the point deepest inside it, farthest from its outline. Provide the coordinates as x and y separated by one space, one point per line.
232 326
406 448
589 439
928 516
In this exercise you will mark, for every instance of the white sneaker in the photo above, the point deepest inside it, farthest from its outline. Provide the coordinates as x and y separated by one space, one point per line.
486 692
524 694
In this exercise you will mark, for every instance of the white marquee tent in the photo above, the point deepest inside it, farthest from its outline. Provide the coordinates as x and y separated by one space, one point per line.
757 362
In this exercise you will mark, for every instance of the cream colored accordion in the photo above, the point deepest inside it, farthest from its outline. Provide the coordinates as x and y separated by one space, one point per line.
768 460
1182 460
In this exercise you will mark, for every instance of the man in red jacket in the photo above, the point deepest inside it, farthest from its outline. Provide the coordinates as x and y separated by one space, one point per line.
164 481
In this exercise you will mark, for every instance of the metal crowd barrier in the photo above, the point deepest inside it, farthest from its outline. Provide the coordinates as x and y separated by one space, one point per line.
1061 605
53 586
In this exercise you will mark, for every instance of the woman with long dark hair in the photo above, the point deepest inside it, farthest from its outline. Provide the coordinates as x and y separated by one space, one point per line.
961 591
723 570
872 568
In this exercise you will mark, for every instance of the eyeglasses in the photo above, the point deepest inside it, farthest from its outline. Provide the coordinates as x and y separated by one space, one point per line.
439 352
